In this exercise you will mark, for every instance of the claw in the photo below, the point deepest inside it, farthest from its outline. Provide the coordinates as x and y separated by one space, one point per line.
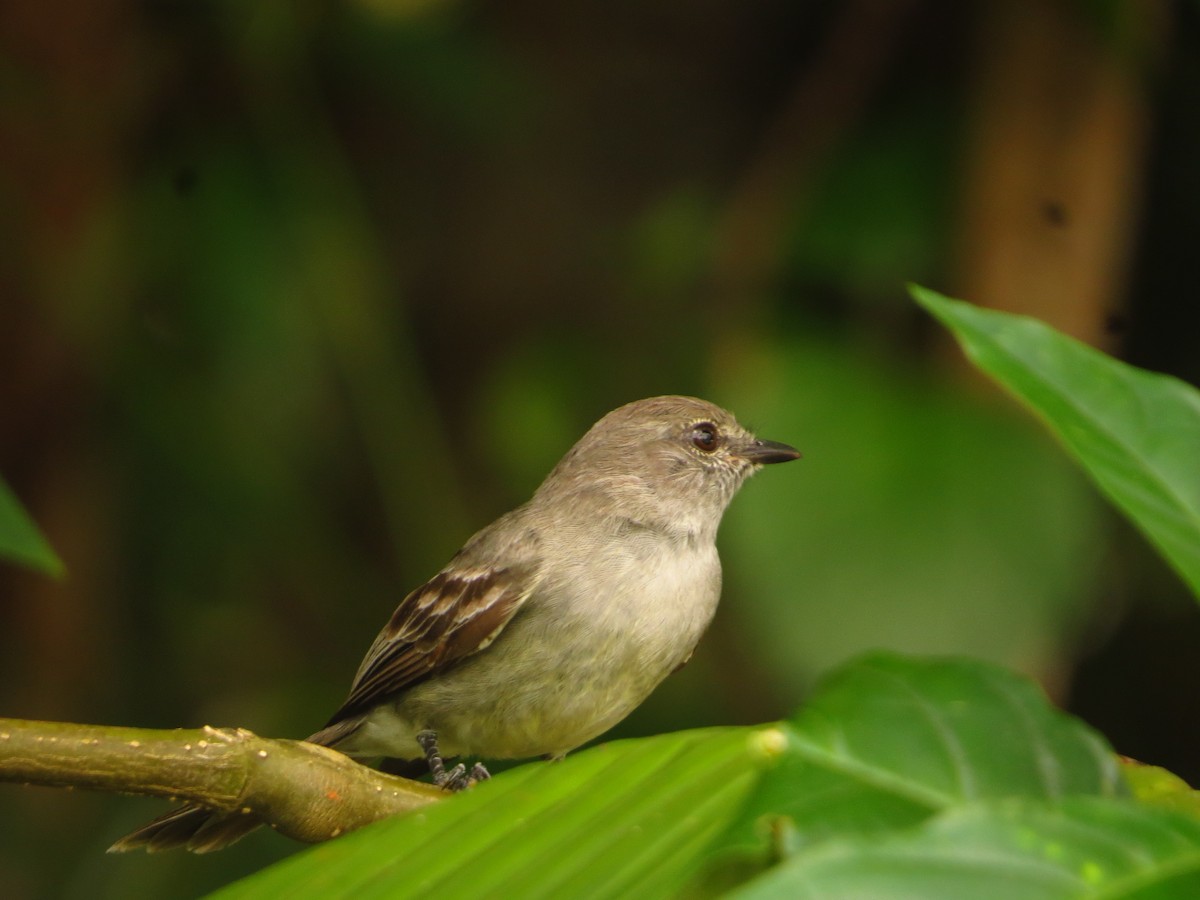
479 773
454 780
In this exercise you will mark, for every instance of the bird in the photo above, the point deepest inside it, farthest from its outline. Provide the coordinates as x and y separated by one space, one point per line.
552 623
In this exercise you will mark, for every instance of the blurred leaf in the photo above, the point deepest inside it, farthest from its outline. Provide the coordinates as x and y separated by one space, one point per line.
919 520
878 213
1081 847
1137 433
526 414
888 741
1156 786
623 819
20 540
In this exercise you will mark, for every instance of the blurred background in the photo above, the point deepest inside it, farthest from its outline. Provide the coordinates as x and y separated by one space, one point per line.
294 296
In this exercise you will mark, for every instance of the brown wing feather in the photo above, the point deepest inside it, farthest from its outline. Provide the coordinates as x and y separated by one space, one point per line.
447 619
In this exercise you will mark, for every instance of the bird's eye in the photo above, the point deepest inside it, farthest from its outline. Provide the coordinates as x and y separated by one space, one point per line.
704 436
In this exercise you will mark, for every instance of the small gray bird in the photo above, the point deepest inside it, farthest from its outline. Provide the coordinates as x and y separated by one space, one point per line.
554 622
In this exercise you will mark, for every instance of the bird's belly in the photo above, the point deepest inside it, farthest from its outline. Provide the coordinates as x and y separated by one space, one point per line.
562 674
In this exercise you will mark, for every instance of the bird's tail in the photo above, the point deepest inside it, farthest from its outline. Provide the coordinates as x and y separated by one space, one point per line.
196 828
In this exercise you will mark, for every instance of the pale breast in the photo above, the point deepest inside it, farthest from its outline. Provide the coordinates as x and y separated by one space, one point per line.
592 643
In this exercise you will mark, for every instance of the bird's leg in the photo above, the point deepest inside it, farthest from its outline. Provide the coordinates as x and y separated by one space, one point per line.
437 766
455 779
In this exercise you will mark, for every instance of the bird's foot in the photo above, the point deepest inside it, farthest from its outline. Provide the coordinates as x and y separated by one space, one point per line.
453 780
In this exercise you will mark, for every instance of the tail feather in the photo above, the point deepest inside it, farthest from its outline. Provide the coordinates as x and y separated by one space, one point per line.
196 828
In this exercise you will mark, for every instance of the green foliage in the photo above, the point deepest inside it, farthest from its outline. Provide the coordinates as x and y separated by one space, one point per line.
20 540
890 740
1080 847
624 819
925 775
1158 787
1136 433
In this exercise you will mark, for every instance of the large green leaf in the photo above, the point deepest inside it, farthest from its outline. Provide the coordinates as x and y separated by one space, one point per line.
1137 433
630 818
20 539
885 744
1079 848
889 741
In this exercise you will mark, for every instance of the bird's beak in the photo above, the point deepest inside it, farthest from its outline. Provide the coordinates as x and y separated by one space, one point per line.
763 452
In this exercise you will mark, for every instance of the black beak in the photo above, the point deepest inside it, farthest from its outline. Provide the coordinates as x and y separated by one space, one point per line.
763 452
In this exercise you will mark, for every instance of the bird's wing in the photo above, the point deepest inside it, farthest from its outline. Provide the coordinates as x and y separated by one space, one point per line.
452 616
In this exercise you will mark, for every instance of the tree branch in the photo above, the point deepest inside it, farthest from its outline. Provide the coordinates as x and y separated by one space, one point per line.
305 791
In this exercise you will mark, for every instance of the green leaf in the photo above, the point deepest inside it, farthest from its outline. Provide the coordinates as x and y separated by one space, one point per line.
885 744
1077 848
20 540
630 818
1156 786
1137 433
889 741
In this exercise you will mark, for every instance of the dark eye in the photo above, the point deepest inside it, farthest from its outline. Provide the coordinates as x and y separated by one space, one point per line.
704 436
